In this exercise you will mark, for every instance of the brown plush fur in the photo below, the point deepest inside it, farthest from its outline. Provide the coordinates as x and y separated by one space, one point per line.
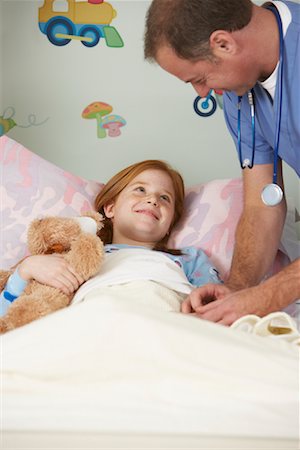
84 251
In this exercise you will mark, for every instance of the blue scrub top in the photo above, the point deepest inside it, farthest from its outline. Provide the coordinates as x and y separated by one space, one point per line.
266 111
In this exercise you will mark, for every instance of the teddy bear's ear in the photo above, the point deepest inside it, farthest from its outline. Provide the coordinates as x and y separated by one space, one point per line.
96 216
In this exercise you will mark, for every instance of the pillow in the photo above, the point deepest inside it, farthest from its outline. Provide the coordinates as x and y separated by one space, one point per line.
290 240
32 187
212 211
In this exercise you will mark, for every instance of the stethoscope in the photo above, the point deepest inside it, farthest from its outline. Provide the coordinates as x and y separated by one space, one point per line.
272 193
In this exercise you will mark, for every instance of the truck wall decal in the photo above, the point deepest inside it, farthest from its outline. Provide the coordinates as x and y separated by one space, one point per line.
85 21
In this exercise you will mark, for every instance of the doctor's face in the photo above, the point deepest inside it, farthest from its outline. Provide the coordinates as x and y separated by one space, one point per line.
227 74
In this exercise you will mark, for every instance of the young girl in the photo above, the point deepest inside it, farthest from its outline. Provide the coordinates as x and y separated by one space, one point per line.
141 204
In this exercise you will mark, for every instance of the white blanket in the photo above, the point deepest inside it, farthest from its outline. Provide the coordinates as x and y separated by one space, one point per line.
131 264
114 364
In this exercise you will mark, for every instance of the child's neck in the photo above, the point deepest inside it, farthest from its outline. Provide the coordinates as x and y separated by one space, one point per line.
134 243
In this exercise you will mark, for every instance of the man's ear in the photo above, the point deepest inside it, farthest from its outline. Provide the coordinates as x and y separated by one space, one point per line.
109 209
222 43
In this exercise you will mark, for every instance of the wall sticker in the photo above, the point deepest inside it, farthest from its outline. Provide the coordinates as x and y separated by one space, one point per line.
107 123
7 122
206 106
85 21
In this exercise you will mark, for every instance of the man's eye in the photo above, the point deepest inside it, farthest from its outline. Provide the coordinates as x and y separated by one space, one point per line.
200 81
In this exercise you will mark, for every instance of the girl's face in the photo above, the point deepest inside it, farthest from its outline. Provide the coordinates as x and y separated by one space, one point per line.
143 212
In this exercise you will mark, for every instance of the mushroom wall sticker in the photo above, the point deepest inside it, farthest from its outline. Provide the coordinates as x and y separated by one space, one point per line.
100 111
113 123
97 110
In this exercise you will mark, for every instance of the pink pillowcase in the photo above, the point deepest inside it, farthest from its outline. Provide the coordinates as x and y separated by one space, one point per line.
32 187
212 211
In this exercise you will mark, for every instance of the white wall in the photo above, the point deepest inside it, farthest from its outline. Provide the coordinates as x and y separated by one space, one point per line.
58 82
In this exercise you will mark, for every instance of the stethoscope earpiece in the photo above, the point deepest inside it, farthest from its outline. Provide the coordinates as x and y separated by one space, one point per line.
246 163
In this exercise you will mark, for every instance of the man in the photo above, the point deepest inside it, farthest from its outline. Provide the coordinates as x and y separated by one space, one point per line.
253 54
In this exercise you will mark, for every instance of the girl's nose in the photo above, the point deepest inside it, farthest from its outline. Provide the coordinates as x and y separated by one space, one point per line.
152 200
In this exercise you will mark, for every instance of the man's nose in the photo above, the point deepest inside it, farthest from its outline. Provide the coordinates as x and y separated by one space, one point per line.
203 91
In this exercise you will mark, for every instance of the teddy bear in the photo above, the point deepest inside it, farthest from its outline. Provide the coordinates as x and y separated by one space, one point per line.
77 240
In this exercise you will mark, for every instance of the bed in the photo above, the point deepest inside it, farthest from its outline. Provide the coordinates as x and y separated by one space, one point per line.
111 375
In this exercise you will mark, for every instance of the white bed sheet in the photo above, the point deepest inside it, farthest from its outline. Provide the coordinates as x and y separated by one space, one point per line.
124 441
111 366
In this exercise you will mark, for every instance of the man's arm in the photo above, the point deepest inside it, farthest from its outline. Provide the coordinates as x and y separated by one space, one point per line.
274 294
259 230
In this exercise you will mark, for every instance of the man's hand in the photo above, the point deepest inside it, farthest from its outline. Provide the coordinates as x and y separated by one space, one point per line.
202 296
217 303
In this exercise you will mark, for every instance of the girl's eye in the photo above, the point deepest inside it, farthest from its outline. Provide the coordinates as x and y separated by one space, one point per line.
165 197
140 189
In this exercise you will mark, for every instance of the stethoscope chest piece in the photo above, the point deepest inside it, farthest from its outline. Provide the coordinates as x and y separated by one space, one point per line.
272 194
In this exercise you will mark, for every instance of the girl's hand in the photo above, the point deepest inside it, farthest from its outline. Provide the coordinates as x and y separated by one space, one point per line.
52 270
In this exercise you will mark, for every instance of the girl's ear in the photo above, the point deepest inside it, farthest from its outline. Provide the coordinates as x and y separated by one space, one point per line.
222 43
109 209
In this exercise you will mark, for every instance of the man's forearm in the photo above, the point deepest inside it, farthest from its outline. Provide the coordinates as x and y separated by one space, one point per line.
281 289
257 241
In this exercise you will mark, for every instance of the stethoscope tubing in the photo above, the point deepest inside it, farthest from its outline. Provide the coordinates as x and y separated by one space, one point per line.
280 80
251 100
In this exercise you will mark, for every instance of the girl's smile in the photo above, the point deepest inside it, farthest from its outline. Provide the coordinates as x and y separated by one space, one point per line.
148 212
